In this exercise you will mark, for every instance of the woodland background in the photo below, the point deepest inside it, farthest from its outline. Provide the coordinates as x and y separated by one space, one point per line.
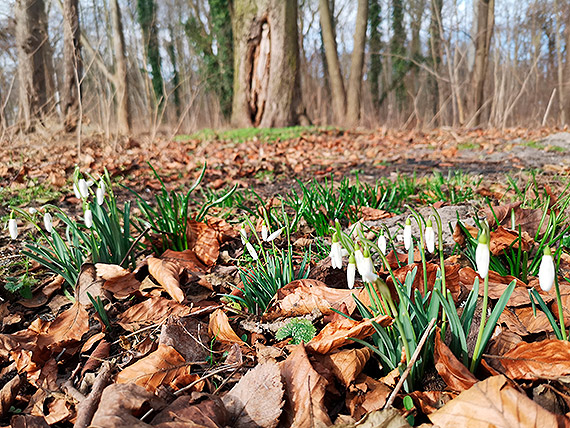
120 66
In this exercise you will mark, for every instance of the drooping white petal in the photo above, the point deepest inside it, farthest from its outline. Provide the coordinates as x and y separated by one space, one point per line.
88 218
243 235
48 223
76 191
100 193
546 272
351 272
407 235
83 188
359 259
32 210
274 235
482 258
13 228
336 256
251 251
264 232
382 244
430 239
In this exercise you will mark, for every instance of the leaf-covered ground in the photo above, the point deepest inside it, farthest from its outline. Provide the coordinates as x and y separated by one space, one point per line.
176 353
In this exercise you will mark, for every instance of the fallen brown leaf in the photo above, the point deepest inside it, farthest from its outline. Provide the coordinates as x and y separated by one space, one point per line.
166 273
188 336
503 406
158 368
257 399
336 334
186 259
193 411
69 326
152 311
528 219
120 405
430 401
304 296
502 239
523 322
220 329
8 393
120 282
88 284
387 418
347 364
457 377
204 241
305 392
548 359
366 395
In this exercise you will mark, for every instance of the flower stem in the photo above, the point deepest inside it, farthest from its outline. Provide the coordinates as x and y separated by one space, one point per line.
477 352
560 309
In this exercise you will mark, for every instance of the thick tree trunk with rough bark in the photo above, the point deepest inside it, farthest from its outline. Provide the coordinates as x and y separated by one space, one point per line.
120 77
333 65
485 24
33 58
72 68
356 65
266 63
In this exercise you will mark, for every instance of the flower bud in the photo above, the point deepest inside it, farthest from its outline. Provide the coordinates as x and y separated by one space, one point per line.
351 271
382 243
48 223
88 218
13 228
275 235
430 237
408 234
546 272
482 256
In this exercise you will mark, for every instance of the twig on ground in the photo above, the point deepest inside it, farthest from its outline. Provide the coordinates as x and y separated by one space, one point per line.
88 407
415 356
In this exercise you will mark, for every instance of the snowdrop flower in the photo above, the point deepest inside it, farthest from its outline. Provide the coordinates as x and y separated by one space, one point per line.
100 193
48 223
243 235
32 210
88 218
264 233
546 271
359 259
274 235
482 255
382 243
430 236
351 271
367 272
76 191
408 234
336 253
251 251
13 228
83 188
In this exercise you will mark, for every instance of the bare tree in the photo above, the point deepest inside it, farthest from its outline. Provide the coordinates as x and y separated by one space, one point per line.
266 63
72 67
356 65
485 24
120 76
33 57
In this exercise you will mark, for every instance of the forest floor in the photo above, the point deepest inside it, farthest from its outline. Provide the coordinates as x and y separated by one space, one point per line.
174 351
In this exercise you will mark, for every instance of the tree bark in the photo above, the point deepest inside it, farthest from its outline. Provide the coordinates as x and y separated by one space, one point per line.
485 24
356 65
333 65
375 47
33 71
72 67
120 76
400 65
146 10
266 63
566 77
435 54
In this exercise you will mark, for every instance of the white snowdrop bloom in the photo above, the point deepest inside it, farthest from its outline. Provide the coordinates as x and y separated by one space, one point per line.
546 272
100 194
351 271
482 256
336 253
430 237
48 222
13 228
32 210
88 218
382 243
264 232
274 235
251 251
408 234
83 188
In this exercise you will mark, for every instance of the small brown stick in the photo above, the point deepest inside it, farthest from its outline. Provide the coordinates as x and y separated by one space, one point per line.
87 408
415 356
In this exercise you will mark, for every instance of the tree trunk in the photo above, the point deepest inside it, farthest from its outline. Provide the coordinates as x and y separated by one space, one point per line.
375 47
146 10
397 49
435 55
266 63
33 71
170 48
485 24
566 77
72 67
120 76
356 65
333 65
